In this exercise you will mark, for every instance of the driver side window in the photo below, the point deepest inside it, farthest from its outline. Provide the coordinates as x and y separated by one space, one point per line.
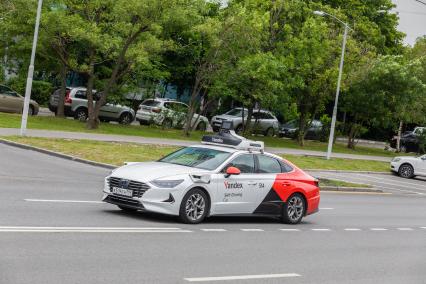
245 163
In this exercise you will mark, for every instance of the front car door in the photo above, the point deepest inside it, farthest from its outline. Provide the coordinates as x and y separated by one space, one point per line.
11 102
234 193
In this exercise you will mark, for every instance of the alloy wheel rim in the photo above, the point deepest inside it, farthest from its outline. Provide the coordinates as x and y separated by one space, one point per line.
195 207
406 171
295 208
126 119
82 116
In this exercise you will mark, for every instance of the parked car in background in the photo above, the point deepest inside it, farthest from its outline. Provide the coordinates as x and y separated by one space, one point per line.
168 113
76 106
409 167
291 128
11 101
262 121
409 140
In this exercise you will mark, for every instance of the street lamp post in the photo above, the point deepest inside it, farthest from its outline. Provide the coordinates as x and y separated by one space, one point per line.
336 101
30 72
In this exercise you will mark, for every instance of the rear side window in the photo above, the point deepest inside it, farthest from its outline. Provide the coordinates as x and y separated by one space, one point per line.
285 168
151 103
81 95
268 165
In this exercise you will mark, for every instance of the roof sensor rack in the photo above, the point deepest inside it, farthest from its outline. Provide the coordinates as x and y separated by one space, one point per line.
228 138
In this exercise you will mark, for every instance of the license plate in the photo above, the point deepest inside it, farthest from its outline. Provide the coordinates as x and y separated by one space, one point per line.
122 191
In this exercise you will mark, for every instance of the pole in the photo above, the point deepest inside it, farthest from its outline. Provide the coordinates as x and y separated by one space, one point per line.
333 119
30 72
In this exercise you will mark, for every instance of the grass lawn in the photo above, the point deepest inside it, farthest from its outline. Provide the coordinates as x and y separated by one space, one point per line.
117 153
338 183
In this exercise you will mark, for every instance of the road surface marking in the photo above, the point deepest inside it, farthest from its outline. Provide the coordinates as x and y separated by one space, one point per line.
213 230
378 229
24 229
326 208
405 229
290 230
352 229
252 230
423 227
389 182
242 277
64 201
320 229
358 192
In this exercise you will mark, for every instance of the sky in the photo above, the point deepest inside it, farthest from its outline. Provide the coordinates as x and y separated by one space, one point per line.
412 19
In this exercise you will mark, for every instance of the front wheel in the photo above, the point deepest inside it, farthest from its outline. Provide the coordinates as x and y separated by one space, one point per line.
194 207
270 132
294 209
406 171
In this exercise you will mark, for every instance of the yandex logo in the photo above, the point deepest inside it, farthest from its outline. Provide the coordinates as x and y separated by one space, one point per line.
233 185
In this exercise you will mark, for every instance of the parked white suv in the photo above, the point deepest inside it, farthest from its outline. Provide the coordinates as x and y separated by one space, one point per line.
76 106
168 113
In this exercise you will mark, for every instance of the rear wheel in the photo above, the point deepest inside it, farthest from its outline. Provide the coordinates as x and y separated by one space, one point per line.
127 209
194 207
81 114
201 126
406 171
30 110
167 123
270 132
294 209
125 118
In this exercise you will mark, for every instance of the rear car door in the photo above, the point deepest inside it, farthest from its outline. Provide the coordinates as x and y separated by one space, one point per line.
266 199
234 193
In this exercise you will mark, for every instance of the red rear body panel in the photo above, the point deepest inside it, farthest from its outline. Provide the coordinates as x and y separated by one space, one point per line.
298 181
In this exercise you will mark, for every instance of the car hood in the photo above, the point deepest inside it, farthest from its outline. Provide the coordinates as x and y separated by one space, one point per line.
406 158
148 171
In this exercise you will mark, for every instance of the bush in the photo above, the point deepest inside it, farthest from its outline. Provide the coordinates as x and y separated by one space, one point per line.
40 91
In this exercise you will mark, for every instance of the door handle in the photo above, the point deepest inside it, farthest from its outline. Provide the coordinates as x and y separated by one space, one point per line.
286 183
252 183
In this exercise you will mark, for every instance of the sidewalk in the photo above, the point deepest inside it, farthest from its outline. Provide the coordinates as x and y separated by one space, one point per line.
159 141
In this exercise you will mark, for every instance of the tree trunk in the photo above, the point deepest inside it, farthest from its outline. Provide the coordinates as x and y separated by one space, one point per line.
351 136
192 105
302 129
93 121
247 128
398 139
60 112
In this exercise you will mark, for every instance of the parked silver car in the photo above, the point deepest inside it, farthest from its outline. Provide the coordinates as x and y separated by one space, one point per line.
262 121
76 106
11 101
168 113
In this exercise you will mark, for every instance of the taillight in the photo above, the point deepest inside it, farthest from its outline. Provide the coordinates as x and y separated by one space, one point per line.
156 110
316 182
68 99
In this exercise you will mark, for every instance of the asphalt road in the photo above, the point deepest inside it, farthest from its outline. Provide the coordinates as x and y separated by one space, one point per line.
53 229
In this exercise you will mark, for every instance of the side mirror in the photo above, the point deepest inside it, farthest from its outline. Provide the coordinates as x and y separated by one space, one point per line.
232 171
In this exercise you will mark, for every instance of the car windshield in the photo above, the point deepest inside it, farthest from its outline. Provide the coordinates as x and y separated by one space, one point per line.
203 158
151 103
235 112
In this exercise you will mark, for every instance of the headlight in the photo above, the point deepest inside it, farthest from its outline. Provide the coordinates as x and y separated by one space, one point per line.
395 160
167 183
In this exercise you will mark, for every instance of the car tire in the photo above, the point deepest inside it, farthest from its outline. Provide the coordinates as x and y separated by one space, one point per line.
270 132
239 129
294 209
201 126
127 209
167 123
31 110
125 118
188 213
81 114
406 171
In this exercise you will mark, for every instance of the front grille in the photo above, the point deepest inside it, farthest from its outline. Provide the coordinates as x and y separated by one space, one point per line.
122 201
137 187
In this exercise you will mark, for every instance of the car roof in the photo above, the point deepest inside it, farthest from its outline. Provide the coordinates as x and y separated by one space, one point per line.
232 150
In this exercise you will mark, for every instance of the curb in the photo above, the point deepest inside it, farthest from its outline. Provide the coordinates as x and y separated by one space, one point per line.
347 172
350 189
57 154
